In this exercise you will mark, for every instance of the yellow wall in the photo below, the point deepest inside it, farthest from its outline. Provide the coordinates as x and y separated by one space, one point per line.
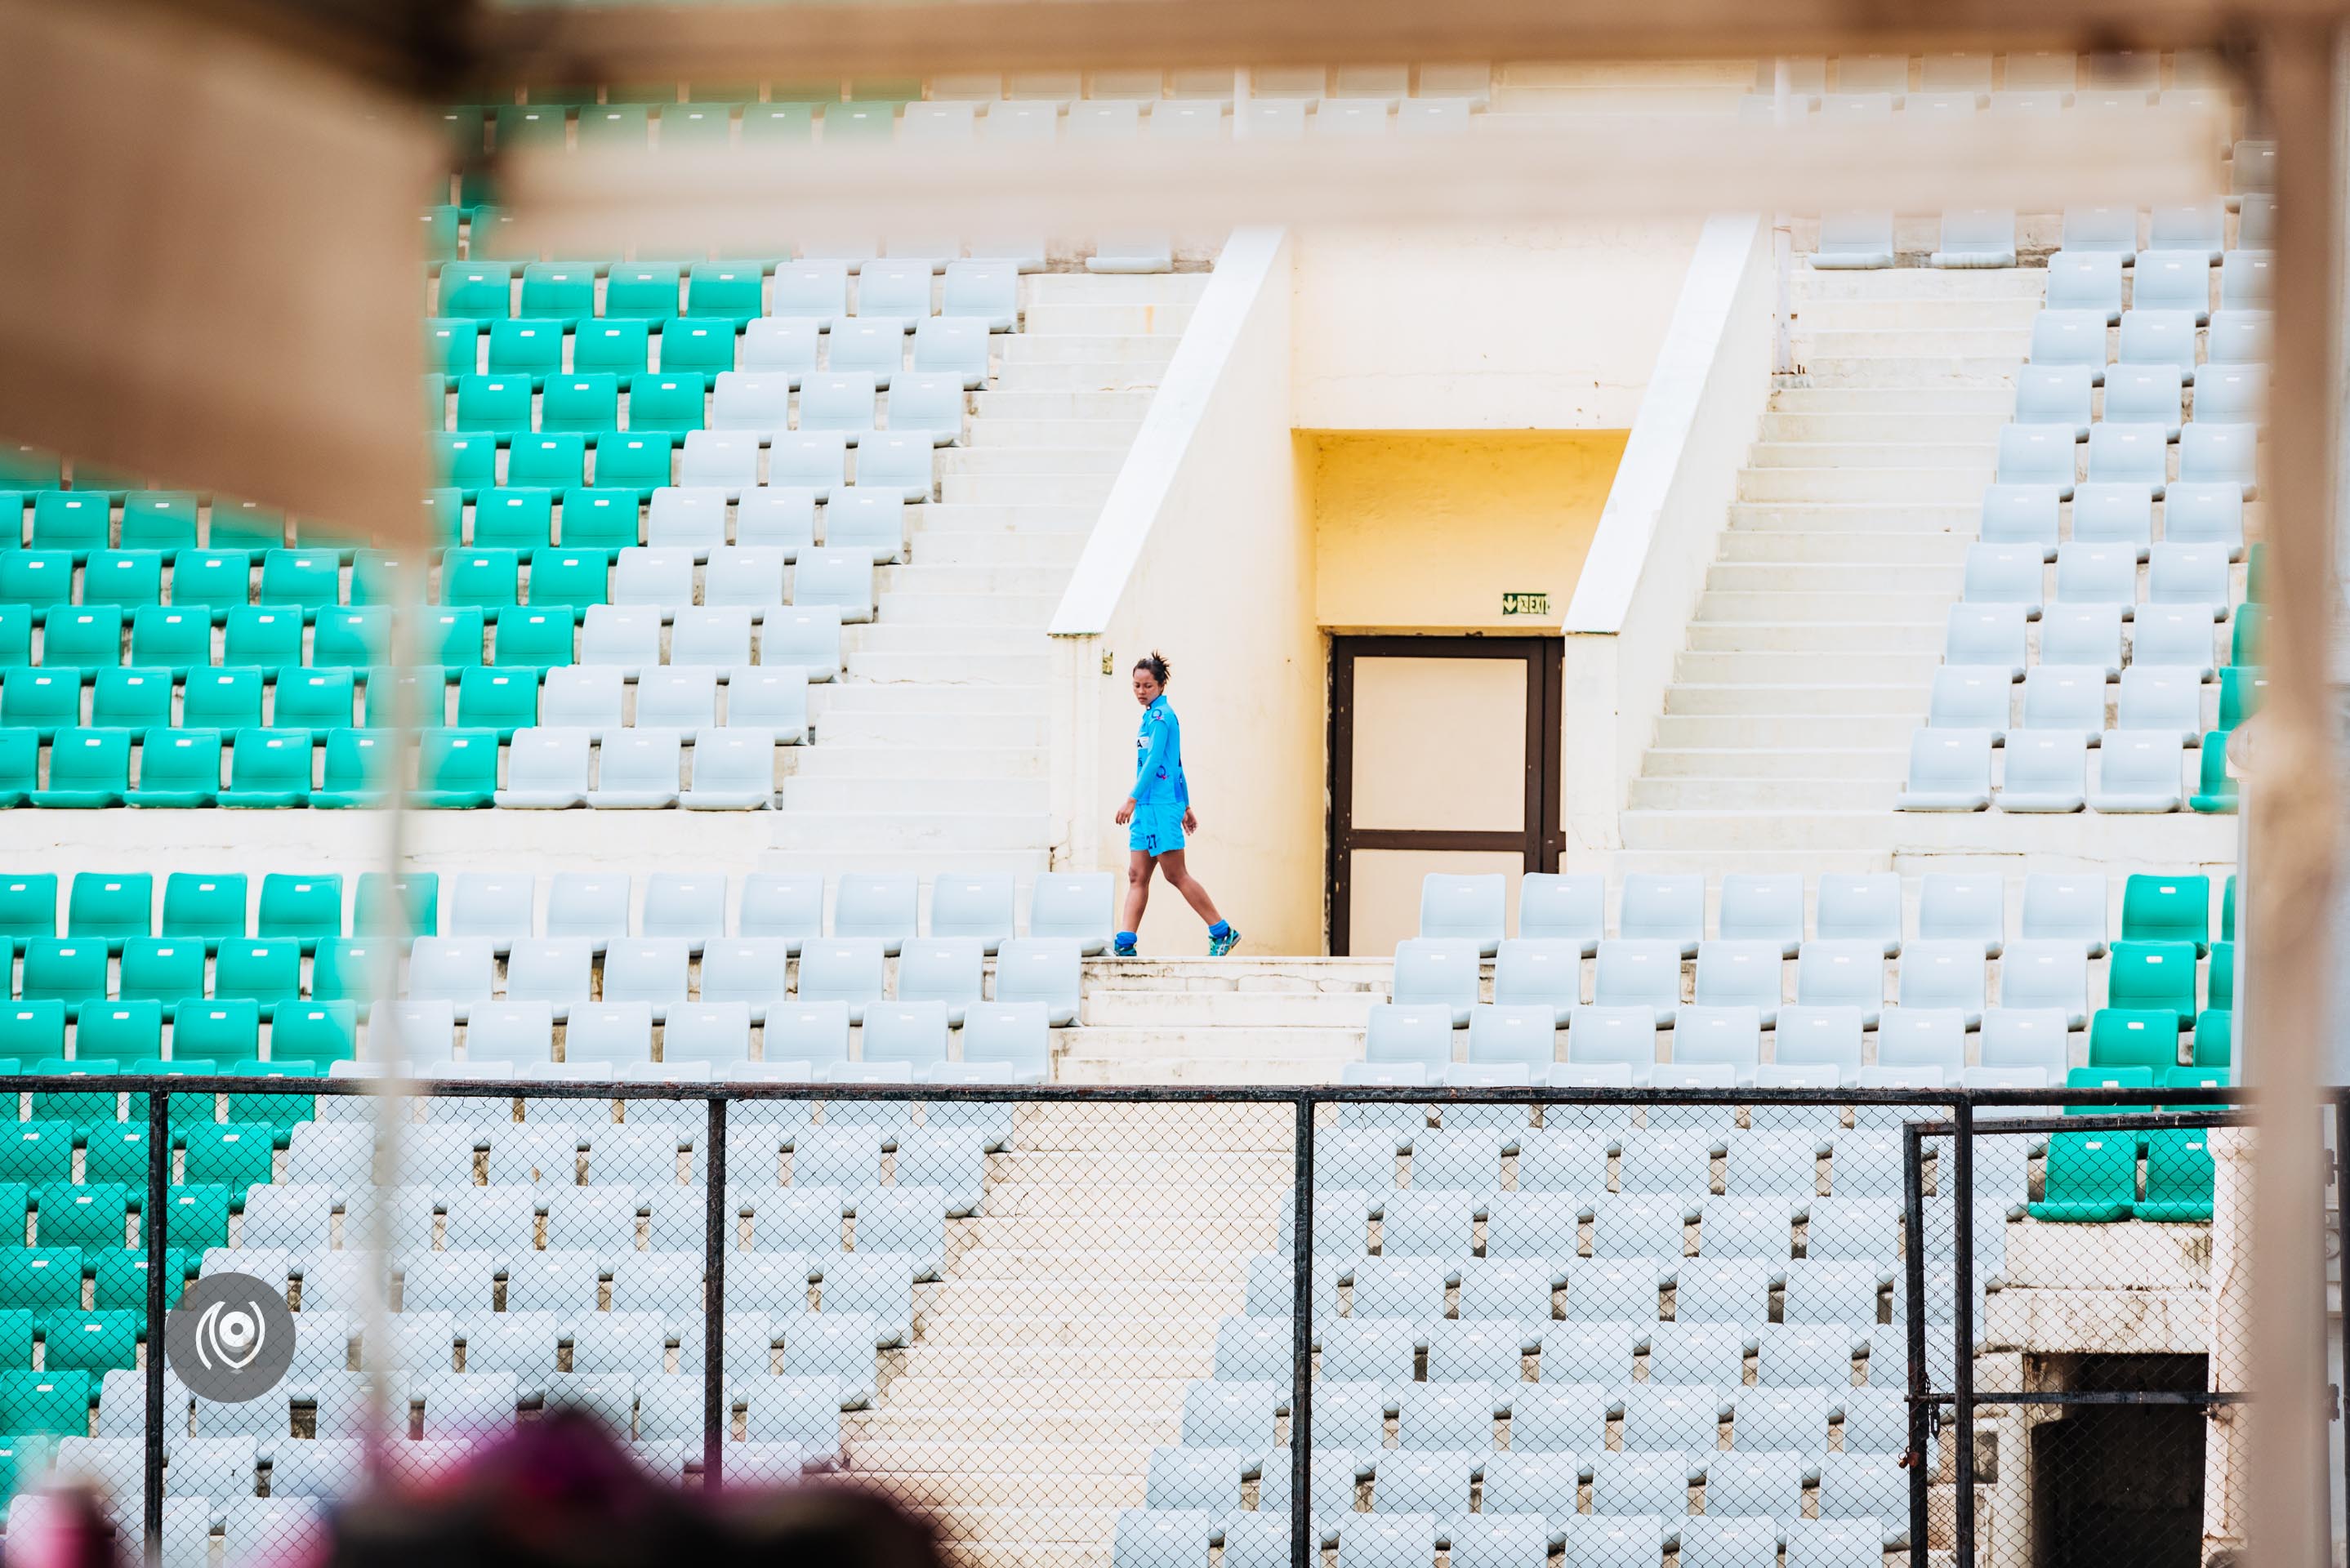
1425 530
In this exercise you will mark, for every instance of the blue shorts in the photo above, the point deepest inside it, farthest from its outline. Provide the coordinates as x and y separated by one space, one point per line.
1156 830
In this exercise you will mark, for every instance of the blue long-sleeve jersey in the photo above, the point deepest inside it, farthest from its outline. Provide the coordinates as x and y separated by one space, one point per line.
1158 758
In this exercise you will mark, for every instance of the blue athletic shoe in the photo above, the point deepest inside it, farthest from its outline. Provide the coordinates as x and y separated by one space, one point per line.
1219 945
1123 947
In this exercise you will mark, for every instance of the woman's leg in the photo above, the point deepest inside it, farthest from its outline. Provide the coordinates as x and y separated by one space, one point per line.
1172 864
1138 890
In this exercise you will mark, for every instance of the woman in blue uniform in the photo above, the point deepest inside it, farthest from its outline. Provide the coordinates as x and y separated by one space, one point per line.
1158 813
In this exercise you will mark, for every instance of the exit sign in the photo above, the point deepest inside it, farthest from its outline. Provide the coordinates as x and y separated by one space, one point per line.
1526 604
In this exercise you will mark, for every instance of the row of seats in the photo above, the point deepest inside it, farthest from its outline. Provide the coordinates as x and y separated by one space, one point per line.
661 409
2098 241
2094 1177
2047 771
1179 1538
1866 905
2039 70
693 311
2071 697
507 907
40 584
2077 636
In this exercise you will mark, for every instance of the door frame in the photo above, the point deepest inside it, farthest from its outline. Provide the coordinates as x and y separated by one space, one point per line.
1540 839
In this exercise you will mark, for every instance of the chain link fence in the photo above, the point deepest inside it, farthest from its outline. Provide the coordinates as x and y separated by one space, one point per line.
1233 1328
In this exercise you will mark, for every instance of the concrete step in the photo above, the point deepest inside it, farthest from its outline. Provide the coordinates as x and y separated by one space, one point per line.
1228 1125
969 790
997 403
1851 517
1747 668
1204 1041
1087 349
1119 375
1744 700
945 518
1855 548
1001 1488
1022 1358
978 1419
1032 611
1083 1164
1114 288
1974 457
931 696
1044 1330
949 1458
1925 608
1793 395
1816 637
1911 370
1814 344
1099 1299
1170 1202
1125 1394
941 636
1175 1008
1212 1227
1807 284
1808 578
1717 731
941 835
1884 764
1757 830
1747 793
970 547
921 576
1022 670
1012 489
2002 313
1053 461
1139 318
1252 973
999 431
1868 425
1267 1067
1945 487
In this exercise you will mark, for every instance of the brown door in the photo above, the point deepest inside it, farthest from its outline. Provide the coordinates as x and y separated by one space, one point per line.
1444 757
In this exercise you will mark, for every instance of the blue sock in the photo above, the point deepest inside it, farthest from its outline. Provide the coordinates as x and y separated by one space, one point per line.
1126 940
1221 928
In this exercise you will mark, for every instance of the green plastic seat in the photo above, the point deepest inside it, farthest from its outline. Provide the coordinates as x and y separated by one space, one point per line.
119 1279
630 461
228 1154
486 579
456 769
164 521
214 581
2158 909
94 1214
269 769
306 908
127 1029
502 699
29 468
15 636
444 517
28 906
2142 975
2246 638
433 402
535 125
40 1280
71 521
695 125
2241 686
728 291
92 1341
376 577
134 698
312 699
187 1109
2215 1078
532 638
20 763
216 1031
2092 1177
45 1402
2219 979
869 122
89 770
665 403
640 291
498 404
38 1153
2179 1177
452 345
263 970
526 345
281 1114
565 578
110 906
116 1154
227 699
345 972
583 404
599 519
351 637
560 291
40 581
44 701
246 527
87 637
18 1329
451 636
441 233
2126 1037
32 1030
466 461
308 580
314 1034
2215 1031
424 689
694 345
126 579
536 467
83 1108
197 1215
178 770
415 894
176 640
479 291
2215 792
612 347
614 126
2228 909
2256 573
71 970
779 121
356 771
207 905
166 970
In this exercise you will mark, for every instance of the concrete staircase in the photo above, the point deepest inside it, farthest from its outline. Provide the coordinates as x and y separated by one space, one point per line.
930 751
1053 1354
1785 733
1220 1021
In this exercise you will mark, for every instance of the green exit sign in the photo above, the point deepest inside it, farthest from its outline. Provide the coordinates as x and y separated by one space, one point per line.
1526 604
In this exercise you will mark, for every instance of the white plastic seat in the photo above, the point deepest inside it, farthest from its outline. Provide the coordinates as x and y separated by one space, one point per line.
628 639
2065 696
724 461
778 346
2046 771
2086 280
2024 514
870 520
927 404
707 638
675 698
1966 697
584 699
636 770
2106 513
805 637
840 579
2137 773
1639 973
2005 574
840 402
733 770
1850 240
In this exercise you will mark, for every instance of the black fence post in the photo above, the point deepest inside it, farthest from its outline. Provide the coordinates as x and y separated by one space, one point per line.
1304 1551
1913 1224
154 1235
1962 1325
716 1213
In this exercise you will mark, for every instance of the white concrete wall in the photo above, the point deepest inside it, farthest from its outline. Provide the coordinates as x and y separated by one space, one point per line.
1548 327
1696 417
1205 552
